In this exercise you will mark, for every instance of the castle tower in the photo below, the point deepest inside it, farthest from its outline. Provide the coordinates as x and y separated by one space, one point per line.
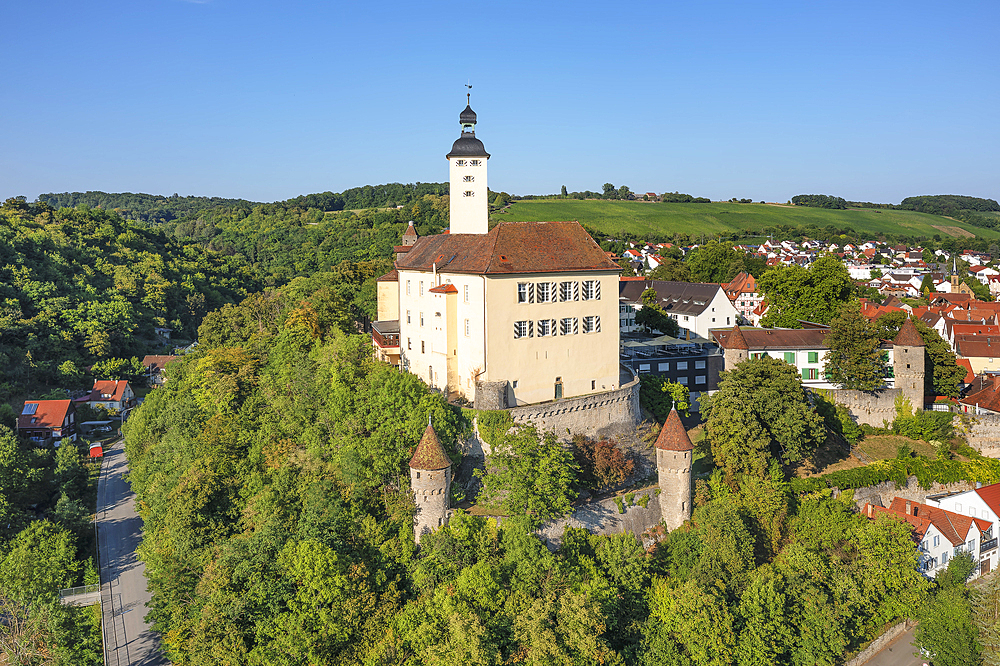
469 205
410 235
430 480
674 457
737 349
908 363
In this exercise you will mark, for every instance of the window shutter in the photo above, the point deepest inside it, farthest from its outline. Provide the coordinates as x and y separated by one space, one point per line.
531 328
576 291
531 292
597 320
597 297
576 325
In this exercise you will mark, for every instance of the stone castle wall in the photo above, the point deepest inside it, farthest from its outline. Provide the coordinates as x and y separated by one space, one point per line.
881 494
603 517
871 408
982 432
594 415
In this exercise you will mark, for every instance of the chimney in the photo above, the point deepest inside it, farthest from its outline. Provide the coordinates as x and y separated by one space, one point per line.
869 507
908 509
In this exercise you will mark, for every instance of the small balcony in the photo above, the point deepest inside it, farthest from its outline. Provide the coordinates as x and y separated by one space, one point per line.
386 334
987 545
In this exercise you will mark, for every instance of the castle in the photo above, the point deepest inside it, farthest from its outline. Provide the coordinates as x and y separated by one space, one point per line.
523 316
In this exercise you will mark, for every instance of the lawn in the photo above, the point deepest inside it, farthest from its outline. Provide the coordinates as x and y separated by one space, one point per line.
662 219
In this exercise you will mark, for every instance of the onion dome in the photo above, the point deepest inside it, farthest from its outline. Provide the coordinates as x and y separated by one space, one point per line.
908 336
468 145
673 436
467 117
429 454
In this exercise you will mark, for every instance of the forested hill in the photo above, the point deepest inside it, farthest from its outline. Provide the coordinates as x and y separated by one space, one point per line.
159 209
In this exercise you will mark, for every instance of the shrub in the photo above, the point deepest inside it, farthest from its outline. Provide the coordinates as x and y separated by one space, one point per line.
602 463
621 505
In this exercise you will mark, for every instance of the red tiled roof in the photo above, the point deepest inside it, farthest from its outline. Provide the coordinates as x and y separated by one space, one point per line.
977 346
391 276
991 495
410 231
673 436
48 414
446 288
157 363
736 340
772 338
908 336
401 249
511 247
954 526
918 525
429 453
113 388
970 376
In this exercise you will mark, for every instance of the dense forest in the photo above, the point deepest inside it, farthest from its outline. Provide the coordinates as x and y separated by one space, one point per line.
271 472
966 209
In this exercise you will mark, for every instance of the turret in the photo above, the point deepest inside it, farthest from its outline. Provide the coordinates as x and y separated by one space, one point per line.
908 364
737 349
430 480
674 457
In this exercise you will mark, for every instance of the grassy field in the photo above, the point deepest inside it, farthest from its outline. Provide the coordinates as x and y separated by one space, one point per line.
661 219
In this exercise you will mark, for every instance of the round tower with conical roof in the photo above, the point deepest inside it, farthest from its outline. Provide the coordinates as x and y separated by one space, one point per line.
737 349
674 457
468 202
430 481
908 364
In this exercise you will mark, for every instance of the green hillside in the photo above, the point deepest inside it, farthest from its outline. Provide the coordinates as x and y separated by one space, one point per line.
661 219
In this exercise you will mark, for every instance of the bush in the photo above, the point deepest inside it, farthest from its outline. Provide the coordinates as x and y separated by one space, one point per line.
602 463
621 505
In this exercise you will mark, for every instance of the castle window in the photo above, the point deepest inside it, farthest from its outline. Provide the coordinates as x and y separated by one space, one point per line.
466 328
522 329
459 162
569 291
474 162
546 292
466 292
592 324
468 179
421 319
468 193
423 350
513 384
418 475
569 326
546 327
525 292
407 287
407 316
421 287
591 290
408 345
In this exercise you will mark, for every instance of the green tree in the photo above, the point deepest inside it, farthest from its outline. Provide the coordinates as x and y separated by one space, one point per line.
760 412
945 374
855 357
986 619
529 474
714 262
118 368
627 269
671 270
562 191
39 562
609 191
653 317
813 294
979 290
946 630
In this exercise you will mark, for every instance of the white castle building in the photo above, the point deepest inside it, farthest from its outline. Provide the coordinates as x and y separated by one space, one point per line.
524 313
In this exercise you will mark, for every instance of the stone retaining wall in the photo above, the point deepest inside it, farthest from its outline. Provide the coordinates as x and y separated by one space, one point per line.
881 494
595 415
880 643
603 517
982 432
872 408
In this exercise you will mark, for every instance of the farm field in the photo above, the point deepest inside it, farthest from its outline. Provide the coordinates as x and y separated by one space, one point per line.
641 218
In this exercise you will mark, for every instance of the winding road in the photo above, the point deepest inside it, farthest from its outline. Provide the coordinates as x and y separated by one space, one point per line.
128 638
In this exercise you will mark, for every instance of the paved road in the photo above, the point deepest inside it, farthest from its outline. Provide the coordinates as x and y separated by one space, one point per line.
898 653
128 638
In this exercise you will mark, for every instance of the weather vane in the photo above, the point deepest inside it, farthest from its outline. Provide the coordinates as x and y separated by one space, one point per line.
468 95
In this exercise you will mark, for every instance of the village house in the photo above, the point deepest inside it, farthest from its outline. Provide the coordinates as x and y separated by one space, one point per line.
942 534
696 307
110 394
982 504
742 292
47 421
154 366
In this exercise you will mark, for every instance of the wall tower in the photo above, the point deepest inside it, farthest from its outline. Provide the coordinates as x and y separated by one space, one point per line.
674 457
469 207
737 350
430 480
908 364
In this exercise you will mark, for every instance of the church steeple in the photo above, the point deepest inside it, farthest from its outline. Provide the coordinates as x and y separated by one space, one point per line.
469 207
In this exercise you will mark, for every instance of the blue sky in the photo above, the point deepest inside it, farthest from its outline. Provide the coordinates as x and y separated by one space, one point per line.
265 101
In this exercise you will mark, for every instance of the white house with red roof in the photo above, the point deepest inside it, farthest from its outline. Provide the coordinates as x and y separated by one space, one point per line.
43 421
942 534
983 504
110 394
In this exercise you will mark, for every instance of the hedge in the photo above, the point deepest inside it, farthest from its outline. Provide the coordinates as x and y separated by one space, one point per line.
980 469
